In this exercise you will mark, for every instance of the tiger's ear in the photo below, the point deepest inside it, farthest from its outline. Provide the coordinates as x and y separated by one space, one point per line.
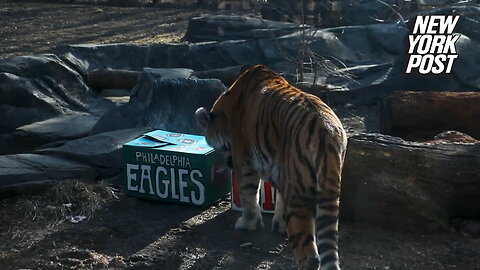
203 117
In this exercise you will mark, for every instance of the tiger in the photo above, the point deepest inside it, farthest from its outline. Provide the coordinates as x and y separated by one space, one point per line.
269 129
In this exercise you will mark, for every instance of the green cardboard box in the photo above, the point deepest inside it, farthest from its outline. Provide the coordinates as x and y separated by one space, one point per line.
175 167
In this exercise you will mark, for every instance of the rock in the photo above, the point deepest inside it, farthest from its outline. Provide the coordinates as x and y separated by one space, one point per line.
422 115
454 136
349 46
369 58
167 104
35 88
61 128
224 27
135 57
8 146
23 102
467 227
27 171
362 45
358 44
101 151
409 185
48 67
205 56
85 58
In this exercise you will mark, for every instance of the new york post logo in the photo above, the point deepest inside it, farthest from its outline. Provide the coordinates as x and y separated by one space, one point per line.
432 44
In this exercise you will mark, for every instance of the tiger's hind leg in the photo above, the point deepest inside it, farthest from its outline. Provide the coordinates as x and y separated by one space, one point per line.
326 224
251 218
327 233
301 235
327 208
278 221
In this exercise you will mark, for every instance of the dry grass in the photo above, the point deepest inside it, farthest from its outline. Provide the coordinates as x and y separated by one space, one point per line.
26 220
65 200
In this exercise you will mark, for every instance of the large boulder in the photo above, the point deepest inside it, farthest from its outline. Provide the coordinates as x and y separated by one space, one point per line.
35 88
164 102
27 171
24 101
61 128
44 68
8 145
102 152
85 58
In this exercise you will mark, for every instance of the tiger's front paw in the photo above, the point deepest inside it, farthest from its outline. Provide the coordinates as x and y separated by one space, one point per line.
251 225
250 220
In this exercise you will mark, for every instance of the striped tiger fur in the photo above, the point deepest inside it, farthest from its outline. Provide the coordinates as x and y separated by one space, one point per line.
271 130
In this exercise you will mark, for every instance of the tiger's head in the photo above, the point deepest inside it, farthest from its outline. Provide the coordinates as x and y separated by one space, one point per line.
219 121
215 126
216 123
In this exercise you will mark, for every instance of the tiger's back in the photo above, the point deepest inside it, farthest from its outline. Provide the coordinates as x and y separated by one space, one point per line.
274 131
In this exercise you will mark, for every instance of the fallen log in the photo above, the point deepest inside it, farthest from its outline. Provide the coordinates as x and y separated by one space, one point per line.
410 186
226 75
107 78
422 115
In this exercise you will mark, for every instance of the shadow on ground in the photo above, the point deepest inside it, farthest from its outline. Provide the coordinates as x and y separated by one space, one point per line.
130 233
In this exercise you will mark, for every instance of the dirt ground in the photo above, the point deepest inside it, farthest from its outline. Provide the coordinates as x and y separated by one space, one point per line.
128 233
35 27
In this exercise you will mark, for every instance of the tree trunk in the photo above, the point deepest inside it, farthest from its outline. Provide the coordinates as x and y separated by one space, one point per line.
409 185
422 115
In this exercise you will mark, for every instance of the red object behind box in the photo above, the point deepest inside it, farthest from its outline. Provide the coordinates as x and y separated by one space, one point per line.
266 200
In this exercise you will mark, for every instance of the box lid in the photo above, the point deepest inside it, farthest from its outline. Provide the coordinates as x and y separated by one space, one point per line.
172 141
